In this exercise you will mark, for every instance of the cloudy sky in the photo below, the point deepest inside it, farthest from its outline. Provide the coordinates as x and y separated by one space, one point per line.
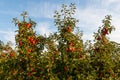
90 14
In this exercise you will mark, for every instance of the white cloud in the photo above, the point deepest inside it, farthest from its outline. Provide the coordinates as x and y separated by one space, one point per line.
88 37
41 10
43 28
8 36
90 16
89 20
105 3
110 1
114 36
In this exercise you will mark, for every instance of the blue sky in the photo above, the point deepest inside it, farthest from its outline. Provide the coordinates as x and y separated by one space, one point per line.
90 14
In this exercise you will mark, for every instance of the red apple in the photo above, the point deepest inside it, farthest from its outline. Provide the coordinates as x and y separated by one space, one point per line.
69 29
28 25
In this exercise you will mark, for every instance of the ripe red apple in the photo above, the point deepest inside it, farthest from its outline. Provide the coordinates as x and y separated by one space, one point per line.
29 50
65 68
71 49
20 43
98 38
69 29
28 25
105 31
33 69
3 54
12 54
29 74
19 24
32 41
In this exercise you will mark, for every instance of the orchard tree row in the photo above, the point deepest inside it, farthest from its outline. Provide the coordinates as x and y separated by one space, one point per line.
62 55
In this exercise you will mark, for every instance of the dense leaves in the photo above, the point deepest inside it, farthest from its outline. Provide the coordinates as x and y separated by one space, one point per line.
62 55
